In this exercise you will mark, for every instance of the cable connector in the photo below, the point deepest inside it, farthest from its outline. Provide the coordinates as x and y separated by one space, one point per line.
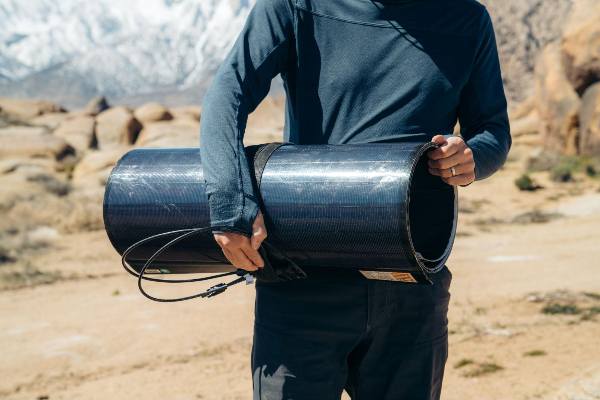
215 290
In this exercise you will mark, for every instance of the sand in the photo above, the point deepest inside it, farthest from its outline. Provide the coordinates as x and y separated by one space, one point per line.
91 335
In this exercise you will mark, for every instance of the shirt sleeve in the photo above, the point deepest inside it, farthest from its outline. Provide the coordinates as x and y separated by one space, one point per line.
482 112
242 81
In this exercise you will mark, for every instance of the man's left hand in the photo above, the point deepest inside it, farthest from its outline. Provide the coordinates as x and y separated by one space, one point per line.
452 161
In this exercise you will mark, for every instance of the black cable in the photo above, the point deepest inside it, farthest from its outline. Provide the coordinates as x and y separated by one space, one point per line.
210 292
185 233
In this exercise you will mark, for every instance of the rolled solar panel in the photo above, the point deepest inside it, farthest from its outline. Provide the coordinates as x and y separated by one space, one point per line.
362 206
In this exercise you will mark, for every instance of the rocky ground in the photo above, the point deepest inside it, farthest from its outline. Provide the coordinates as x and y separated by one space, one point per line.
524 317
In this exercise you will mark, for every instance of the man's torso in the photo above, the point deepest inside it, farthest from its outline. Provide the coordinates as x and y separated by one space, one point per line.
363 71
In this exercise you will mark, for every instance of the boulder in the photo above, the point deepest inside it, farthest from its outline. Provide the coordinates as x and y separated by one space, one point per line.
522 109
177 133
79 132
116 126
27 109
94 168
95 106
525 125
50 120
152 112
85 213
581 45
187 112
557 103
24 141
589 122
10 165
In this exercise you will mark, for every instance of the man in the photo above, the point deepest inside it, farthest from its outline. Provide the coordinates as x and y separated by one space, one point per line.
354 71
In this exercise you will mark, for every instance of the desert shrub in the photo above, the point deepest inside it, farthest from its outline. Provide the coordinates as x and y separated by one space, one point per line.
535 217
591 171
563 171
526 183
590 313
534 353
592 295
485 368
567 166
563 168
6 255
561 309
472 206
486 224
463 362
27 276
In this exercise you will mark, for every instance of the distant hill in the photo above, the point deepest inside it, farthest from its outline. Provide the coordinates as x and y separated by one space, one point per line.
71 50
168 50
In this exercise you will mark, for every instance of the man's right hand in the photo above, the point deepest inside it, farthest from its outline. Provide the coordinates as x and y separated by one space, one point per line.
242 251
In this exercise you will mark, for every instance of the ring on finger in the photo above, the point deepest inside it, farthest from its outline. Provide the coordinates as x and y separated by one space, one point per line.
453 171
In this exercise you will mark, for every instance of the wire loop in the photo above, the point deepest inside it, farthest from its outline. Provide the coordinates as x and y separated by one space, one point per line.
183 234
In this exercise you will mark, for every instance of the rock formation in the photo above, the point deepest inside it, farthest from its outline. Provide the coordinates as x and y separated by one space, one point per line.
152 112
116 126
523 28
565 94
580 45
31 142
177 133
96 105
25 109
78 131
589 121
557 103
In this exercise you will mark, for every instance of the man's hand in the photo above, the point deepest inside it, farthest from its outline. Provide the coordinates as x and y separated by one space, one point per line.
453 161
242 251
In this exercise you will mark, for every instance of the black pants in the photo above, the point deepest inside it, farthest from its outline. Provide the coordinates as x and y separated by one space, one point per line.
338 330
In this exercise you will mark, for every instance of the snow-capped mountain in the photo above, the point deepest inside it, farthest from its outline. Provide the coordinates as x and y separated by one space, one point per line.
70 50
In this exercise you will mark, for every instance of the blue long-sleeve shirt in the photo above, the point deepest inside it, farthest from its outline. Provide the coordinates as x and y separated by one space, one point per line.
354 71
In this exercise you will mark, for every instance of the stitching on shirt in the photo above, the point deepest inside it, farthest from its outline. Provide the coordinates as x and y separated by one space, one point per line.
320 14
385 26
239 137
239 165
295 23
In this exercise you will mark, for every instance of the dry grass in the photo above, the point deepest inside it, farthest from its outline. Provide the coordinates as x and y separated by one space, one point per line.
534 353
463 362
535 216
484 368
27 275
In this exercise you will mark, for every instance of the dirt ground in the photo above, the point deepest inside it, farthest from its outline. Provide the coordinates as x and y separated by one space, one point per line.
524 318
